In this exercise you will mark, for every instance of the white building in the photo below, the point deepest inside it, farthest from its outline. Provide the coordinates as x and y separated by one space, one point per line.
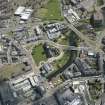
26 14
23 13
71 16
70 11
38 30
19 10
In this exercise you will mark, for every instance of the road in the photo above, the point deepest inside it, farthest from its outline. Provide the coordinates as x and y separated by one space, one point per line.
96 45
63 47
56 45
92 44
100 7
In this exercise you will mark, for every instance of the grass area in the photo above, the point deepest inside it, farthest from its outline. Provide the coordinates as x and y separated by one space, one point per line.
99 28
10 33
51 11
84 20
38 54
100 2
7 71
95 89
64 40
60 63
67 59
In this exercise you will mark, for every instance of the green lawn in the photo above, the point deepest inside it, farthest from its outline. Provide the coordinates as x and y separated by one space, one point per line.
71 39
51 11
60 63
63 41
38 54
100 2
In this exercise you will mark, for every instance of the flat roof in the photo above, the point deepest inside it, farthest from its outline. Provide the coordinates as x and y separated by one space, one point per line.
26 14
19 10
